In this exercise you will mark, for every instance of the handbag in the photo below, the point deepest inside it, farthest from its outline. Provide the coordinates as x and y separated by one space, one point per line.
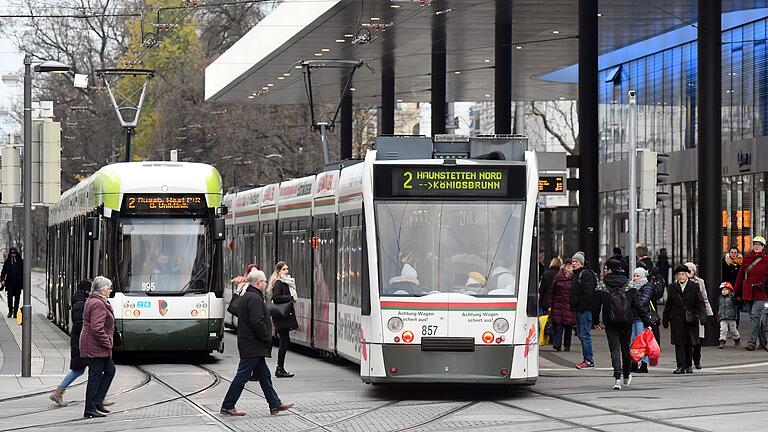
549 328
234 305
280 310
690 317
117 338
653 313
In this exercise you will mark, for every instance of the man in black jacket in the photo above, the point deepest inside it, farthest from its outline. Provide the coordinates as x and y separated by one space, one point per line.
582 291
12 278
618 320
254 341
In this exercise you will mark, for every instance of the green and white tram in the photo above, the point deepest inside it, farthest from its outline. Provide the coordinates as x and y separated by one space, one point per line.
154 229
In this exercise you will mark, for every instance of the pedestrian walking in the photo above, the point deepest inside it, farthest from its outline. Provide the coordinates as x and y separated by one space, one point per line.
709 313
582 292
727 312
731 266
77 364
644 291
559 310
547 278
662 263
96 341
682 312
254 342
282 290
621 307
656 278
12 277
750 286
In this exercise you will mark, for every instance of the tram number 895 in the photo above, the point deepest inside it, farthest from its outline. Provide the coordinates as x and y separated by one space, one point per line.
428 330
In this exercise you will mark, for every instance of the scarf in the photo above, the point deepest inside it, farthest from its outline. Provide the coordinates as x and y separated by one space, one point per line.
291 282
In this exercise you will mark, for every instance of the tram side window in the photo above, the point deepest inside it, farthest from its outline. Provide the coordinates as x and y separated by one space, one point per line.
268 248
294 249
324 265
350 260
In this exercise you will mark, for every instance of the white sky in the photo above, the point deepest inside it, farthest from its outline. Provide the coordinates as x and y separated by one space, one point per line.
11 62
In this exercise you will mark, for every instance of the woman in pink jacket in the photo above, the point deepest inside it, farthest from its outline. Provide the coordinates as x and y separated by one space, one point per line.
96 342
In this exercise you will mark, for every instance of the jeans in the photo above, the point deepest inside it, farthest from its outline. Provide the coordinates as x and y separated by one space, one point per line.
257 365
562 334
584 323
71 376
729 326
755 308
101 371
618 343
637 328
285 340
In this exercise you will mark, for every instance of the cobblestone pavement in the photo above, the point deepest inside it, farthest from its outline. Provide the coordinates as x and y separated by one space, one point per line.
178 393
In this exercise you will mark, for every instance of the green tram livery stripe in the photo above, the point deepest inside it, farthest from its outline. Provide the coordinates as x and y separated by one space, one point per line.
465 306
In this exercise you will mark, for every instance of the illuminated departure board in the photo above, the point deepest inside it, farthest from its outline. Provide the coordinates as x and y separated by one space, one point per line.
552 185
163 204
435 181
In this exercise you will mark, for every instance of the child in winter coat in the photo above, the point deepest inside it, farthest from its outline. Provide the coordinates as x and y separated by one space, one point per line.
727 312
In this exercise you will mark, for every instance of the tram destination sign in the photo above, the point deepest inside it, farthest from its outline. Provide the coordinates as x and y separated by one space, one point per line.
163 204
457 181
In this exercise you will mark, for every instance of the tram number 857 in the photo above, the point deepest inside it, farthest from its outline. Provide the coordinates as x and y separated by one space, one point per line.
428 330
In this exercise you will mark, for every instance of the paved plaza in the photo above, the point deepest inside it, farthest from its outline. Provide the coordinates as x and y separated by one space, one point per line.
178 393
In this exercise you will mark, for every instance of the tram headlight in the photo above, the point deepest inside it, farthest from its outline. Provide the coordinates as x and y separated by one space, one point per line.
395 324
500 325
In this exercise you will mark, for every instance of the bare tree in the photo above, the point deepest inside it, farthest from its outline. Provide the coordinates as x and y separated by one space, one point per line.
560 120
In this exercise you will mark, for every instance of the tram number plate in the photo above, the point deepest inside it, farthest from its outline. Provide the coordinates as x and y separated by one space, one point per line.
428 330
147 286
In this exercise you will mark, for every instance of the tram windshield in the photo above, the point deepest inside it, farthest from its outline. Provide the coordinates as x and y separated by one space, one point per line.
467 247
163 256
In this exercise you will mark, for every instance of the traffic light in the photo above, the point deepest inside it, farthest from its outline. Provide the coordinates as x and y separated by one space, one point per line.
652 173
11 174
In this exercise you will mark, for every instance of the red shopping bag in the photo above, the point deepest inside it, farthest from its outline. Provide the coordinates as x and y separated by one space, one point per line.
639 347
654 350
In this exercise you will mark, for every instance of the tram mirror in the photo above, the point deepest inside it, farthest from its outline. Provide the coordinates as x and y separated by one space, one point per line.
219 229
222 210
92 228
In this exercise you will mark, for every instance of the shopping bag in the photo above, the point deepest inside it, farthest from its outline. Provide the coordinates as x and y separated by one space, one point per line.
639 348
654 350
543 337
18 317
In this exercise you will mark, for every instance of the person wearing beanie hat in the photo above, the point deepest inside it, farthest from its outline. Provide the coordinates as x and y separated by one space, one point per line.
683 310
645 292
702 287
750 286
727 312
581 295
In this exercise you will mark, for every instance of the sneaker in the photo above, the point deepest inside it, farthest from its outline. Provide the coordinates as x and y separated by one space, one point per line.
58 397
556 348
108 402
628 380
722 344
643 368
566 349
689 370
282 407
617 384
697 365
231 412
737 342
585 364
750 346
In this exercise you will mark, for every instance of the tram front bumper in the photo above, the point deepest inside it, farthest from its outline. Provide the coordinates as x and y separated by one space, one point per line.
485 365
171 334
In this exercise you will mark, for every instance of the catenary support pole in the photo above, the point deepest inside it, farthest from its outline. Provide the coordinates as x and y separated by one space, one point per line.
438 96
28 257
128 133
345 135
710 154
632 204
387 95
589 202
503 68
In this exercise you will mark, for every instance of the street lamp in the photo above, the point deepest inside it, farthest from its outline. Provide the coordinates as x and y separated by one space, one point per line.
26 307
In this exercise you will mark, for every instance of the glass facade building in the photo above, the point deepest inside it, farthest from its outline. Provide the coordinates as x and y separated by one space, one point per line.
667 122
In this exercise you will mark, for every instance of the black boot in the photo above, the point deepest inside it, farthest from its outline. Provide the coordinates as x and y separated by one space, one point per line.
10 312
280 372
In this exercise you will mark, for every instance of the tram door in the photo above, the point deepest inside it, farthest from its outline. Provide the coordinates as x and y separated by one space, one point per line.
323 282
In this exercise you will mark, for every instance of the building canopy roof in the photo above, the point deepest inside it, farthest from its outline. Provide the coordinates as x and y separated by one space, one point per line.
262 66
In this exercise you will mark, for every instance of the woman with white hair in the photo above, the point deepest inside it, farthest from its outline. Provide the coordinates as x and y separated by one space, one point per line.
697 348
96 341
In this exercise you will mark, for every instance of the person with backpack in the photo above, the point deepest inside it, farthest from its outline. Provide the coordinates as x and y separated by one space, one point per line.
582 290
682 312
645 290
751 286
621 306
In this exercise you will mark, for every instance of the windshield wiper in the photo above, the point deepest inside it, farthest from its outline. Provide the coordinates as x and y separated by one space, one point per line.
195 278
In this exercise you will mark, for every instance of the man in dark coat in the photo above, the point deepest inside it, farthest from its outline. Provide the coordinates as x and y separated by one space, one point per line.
751 286
683 295
12 277
254 341
582 293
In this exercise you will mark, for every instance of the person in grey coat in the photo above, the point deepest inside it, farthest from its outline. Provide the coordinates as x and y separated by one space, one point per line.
727 312
254 342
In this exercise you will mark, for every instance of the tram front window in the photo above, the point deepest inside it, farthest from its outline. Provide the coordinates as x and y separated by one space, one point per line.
467 247
163 256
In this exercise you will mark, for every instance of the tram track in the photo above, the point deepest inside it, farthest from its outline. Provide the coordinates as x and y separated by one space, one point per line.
151 376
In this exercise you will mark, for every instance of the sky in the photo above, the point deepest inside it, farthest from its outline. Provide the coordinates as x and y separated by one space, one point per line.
11 62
